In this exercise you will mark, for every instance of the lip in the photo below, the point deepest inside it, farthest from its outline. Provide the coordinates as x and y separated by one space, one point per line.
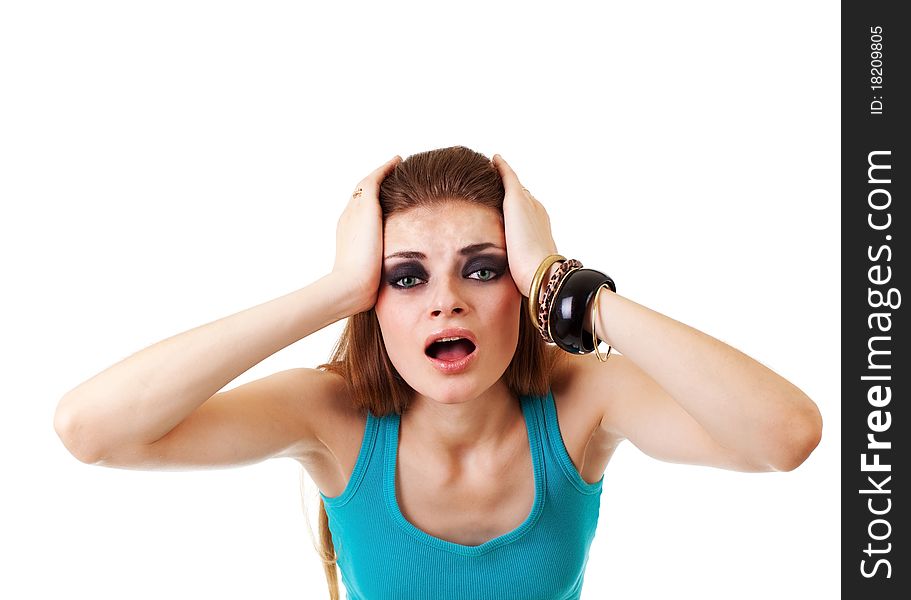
452 366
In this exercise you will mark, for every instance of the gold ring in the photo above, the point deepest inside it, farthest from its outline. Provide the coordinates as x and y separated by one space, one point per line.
357 193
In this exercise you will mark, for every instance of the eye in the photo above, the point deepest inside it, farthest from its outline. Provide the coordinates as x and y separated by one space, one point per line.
405 287
411 277
491 274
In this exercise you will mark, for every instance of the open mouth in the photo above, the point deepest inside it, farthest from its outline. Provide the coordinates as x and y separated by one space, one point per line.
451 350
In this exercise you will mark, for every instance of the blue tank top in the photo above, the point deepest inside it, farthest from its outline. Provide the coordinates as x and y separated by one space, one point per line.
381 555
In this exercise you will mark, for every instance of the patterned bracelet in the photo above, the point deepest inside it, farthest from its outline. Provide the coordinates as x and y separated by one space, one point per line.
545 304
534 292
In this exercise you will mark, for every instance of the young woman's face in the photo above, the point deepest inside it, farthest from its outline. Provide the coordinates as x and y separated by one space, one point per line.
419 296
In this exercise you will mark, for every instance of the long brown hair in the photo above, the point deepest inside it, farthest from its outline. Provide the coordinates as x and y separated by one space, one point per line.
424 179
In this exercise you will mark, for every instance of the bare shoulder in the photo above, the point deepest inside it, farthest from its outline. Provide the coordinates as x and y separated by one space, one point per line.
340 414
568 388
588 385
335 412
340 426
581 411
585 382
573 392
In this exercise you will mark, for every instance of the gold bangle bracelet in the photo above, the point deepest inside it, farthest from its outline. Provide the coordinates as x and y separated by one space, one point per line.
594 317
535 289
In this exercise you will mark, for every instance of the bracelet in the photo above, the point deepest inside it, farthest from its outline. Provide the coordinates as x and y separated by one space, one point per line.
595 340
536 285
572 290
544 308
566 318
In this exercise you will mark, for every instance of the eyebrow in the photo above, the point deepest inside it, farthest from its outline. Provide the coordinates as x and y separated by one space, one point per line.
467 250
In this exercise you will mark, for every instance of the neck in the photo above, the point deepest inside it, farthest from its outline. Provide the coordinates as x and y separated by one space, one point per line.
458 432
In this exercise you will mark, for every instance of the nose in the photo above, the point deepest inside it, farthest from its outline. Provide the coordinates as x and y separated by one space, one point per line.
446 299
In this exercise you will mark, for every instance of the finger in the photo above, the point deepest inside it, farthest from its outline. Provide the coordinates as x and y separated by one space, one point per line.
372 181
380 173
510 179
389 164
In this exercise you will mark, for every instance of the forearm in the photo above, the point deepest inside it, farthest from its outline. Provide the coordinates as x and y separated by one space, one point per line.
742 404
144 396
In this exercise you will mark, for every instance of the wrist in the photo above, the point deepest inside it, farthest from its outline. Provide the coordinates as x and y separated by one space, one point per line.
587 322
348 299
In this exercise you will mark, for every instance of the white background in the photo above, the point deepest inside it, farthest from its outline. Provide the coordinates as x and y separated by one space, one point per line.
165 164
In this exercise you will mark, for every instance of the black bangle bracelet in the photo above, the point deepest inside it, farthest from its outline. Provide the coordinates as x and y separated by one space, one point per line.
567 313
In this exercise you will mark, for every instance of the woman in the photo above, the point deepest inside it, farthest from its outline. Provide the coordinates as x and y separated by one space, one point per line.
460 432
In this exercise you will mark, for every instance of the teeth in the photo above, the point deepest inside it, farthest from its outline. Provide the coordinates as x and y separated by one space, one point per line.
449 339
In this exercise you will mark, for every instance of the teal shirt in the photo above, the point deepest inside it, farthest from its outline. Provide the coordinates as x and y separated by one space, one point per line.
381 555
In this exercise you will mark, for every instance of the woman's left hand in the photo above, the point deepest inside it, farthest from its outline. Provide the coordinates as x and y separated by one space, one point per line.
528 237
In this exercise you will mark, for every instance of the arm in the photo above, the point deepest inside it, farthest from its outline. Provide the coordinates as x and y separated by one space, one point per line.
143 397
677 393
692 398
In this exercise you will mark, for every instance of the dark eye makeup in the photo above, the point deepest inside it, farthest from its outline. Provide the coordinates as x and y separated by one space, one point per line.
495 266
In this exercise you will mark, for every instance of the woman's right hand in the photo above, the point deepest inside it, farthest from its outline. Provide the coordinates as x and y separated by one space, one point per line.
359 239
